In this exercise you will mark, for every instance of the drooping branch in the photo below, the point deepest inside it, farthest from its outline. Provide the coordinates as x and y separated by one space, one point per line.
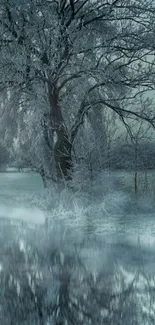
121 112
126 112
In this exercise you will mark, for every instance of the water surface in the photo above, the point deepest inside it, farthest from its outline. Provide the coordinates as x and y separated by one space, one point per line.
125 232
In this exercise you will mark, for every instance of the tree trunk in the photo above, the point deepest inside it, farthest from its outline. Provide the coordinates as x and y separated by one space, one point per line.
43 176
62 154
63 146
136 182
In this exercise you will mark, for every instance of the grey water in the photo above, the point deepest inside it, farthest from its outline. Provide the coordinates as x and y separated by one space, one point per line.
16 190
127 234
124 239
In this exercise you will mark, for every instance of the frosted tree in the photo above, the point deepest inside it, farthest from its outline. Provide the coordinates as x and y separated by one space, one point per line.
64 58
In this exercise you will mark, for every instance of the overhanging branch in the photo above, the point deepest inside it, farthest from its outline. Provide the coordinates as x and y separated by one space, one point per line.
122 113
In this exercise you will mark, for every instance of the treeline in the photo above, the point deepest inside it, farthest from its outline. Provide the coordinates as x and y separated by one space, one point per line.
128 157
122 155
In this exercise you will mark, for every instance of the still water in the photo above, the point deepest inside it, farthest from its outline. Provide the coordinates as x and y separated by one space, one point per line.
16 190
125 232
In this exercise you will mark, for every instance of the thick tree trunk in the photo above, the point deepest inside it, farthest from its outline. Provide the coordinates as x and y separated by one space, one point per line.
43 176
63 146
62 154
136 182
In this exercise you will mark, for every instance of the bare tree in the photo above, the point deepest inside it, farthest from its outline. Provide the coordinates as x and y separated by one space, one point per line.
4 156
139 133
76 55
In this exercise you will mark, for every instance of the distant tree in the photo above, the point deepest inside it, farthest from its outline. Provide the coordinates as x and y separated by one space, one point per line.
139 135
4 157
96 141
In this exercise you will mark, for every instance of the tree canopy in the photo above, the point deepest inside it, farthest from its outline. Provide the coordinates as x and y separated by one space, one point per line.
64 60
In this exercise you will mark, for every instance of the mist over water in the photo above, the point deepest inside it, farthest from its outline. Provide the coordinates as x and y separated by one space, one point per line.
22 197
16 194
